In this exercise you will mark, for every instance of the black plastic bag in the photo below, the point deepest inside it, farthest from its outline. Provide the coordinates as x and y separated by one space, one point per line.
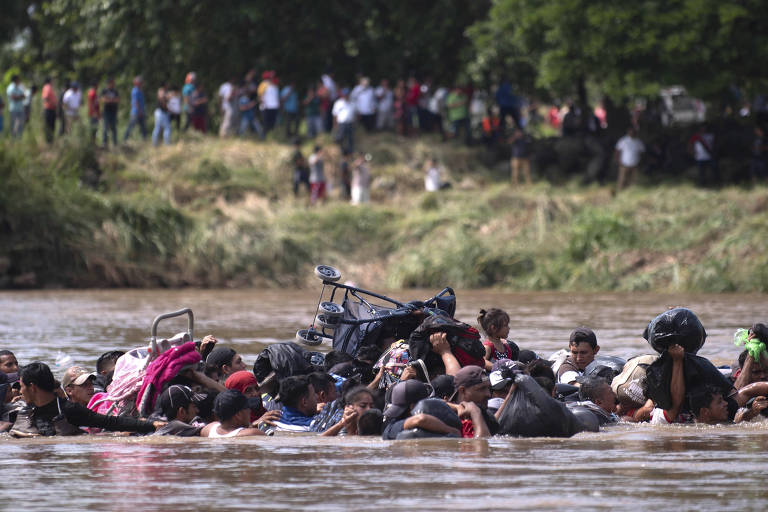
698 371
531 412
605 367
285 359
679 326
440 410
460 335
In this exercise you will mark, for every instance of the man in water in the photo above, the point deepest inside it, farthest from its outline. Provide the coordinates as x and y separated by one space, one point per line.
50 415
8 362
223 362
299 404
472 394
583 347
179 407
77 383
231 407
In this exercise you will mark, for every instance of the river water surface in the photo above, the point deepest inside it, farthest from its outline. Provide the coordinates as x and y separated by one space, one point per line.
624 467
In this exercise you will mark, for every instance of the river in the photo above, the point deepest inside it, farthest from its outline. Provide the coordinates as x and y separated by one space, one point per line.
685 467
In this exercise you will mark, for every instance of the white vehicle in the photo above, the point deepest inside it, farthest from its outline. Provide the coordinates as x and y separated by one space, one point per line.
679 108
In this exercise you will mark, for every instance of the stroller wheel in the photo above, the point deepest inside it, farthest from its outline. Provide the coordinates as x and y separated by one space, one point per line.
327 273
331 309
326 322
308 337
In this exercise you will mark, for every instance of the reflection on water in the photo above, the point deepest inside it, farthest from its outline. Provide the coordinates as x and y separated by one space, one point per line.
685 467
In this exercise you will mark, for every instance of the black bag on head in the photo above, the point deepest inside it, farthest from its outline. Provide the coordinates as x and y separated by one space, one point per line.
285 359
460 335
437 408
531 412
678 326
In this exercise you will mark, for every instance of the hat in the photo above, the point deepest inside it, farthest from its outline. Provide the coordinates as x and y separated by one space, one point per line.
470 376
405 394
240 380
498 380
77 376
502 364
220 356
443 385
178 396
526 356
228 403
581 335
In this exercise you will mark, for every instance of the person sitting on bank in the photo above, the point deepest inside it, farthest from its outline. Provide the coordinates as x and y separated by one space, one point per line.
178 405
299 404
583 347
77 383
49 415
234 414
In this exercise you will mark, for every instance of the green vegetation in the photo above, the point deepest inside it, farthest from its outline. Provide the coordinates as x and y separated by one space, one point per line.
213 213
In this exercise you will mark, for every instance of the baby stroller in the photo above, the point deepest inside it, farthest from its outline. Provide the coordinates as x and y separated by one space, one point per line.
130 369
364 317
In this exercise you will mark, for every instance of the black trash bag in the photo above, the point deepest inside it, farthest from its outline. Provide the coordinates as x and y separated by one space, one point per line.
531 412
606 367
697 371
461 336
677 326
589 420
566 392
285 359
440 410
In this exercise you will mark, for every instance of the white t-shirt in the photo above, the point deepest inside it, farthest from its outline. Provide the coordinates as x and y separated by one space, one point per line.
271 98
432 179
659 417
700 153
343 111
386 99
366 101
630 149
224 95
174 104
71 101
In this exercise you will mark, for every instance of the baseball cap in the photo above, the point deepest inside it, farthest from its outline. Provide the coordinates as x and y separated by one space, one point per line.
77 376
228 403
405 394
498 381
470 376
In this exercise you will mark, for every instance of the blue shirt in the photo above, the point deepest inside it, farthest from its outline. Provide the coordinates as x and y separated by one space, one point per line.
504 96
293 420
137 102
290 99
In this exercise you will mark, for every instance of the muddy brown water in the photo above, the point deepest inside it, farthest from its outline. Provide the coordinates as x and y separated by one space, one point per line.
623 467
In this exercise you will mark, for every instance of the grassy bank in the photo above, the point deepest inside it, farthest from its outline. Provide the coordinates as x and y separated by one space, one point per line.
206 212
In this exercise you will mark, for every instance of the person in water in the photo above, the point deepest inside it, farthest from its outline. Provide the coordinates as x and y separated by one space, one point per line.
397 415
223 362
77 384
299 404
583 348
48 415
472 394
231 408
179 406
358 401
8 362
495 323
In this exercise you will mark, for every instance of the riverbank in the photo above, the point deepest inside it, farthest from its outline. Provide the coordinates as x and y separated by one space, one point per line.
211 213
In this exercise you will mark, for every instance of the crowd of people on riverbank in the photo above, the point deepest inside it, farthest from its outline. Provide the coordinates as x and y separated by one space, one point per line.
440 380
257 104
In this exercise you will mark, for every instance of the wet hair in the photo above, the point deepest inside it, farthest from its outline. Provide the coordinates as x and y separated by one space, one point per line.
538 368
491 319
321 381
702 397
108 357
591 387
6 353
39 374
354 394
293 389
370 423
335 357
205 406
368 353
546 383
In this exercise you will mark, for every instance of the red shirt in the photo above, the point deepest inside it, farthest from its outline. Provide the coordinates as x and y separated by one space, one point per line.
93 103
49 98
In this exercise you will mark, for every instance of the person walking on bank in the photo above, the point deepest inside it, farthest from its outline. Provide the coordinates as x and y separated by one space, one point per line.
50 105
109 99
629 149
137 110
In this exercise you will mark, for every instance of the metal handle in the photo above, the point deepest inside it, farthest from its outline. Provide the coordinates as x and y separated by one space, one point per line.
158 318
